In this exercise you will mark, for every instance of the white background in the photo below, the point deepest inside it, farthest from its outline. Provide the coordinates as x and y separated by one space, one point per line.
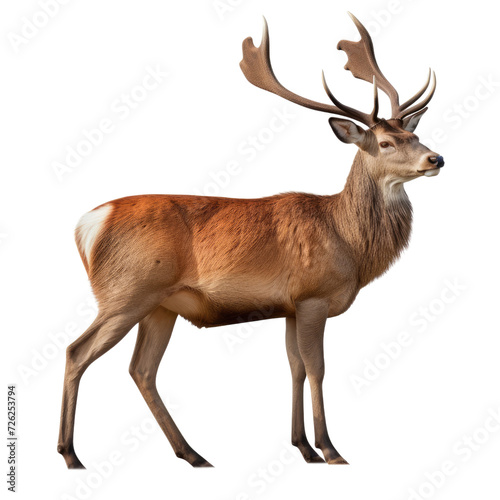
229 388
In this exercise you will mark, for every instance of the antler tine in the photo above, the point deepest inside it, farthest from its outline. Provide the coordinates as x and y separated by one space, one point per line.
418 95
374 114
406 112
256 66
368 120
362 64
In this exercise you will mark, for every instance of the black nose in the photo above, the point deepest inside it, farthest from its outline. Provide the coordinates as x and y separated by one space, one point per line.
436 160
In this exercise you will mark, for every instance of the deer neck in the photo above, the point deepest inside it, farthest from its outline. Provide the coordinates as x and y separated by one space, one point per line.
374 218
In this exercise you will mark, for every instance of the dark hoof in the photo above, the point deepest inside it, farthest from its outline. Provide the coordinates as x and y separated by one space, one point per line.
310 456
78 465
338 461
201 462
73 462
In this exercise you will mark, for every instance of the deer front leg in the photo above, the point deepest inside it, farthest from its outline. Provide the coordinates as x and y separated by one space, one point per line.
297 367
311 318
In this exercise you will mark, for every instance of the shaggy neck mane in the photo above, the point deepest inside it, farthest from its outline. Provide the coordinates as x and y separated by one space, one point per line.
374 218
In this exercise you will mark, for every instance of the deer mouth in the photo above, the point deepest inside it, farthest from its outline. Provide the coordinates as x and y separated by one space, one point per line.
431 172
437 163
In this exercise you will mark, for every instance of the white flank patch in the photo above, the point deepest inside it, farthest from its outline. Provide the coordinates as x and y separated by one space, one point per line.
89 227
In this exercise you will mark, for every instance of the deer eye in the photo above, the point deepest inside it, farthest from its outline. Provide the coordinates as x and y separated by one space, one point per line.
384 144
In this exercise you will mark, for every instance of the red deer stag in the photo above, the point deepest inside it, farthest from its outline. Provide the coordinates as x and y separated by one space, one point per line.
215 261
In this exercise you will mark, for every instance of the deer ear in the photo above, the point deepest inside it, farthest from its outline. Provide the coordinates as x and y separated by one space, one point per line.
410 122
351 133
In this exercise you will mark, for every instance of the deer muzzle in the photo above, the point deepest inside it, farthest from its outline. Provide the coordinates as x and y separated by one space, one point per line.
438 161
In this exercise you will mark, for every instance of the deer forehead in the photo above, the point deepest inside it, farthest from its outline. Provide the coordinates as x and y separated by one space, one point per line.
386 131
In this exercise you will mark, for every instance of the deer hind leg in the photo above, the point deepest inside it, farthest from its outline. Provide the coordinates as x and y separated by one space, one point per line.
104 333
154 334
311 317
298 369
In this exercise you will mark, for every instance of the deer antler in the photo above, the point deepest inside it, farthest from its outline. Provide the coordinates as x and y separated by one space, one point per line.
403 112
361 62
256 66
367 119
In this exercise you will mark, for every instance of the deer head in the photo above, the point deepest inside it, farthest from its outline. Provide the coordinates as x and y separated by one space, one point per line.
388 148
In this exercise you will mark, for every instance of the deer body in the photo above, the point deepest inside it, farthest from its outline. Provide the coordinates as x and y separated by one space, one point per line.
220 261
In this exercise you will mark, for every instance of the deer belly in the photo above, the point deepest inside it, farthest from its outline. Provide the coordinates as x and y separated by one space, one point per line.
185 303
206 310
